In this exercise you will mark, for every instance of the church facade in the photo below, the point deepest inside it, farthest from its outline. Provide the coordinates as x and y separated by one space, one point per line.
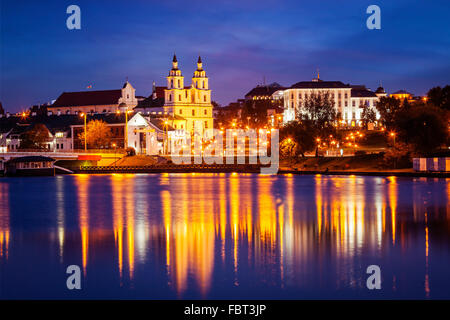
189 107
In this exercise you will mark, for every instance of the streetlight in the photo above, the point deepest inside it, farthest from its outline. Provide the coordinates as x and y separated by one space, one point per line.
392 134
85 134
126 125
165 136
115 160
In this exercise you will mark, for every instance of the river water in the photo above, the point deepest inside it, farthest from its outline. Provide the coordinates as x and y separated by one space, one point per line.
224 236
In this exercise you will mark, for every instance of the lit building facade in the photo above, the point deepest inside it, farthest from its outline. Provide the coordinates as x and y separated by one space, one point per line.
100 101
189 108
349 101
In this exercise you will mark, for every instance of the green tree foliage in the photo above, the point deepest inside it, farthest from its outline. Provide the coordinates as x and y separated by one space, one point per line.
36 137
296 138
318 109
256 110
423 127
98 134
319 115
368 115
388 108
440 97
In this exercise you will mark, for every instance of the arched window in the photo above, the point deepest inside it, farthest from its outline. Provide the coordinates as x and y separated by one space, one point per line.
171 83
170 97
204 98
179 84
179 97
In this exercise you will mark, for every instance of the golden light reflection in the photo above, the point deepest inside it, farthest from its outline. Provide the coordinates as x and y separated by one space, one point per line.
124 221
189 233
4 220
82 181
60 215
392 191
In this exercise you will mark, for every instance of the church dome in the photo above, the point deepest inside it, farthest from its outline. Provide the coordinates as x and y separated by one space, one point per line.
380 90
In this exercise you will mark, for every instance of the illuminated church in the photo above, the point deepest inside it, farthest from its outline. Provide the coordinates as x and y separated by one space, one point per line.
190 108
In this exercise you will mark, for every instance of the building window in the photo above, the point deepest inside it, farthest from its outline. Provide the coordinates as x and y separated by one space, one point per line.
62 146
345 95
179 84
186 94
179 97
204 98
353 115
205 112
339 95
171 83
353 103
346 103
170 97
181 111
182 126
193 112
206 124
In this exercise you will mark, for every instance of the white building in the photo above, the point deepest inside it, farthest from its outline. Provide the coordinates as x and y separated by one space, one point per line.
349 101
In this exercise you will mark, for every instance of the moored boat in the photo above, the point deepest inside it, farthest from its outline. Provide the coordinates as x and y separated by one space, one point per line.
30 166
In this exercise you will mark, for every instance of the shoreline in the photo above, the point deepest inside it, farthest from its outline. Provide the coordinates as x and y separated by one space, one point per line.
370 173
257 169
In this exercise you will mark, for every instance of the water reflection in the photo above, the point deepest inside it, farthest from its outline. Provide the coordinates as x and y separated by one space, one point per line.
211 234
4 220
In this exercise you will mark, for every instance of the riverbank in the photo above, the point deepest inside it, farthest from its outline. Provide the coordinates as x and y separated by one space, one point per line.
363 165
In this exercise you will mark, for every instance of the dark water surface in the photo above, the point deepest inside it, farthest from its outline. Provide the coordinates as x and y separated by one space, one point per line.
229 236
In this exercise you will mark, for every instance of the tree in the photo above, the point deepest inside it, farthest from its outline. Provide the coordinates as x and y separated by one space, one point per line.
423 127
319 114
388 108
37 137
215 104
318 109
256 110
368 115
296 138
440 97
98 134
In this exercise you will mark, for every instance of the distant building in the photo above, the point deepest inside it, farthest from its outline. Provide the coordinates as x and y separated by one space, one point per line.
190 108
154 100
401 95
271 92
100 101
349 101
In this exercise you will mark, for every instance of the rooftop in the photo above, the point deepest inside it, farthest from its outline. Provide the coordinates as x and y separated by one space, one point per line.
86 98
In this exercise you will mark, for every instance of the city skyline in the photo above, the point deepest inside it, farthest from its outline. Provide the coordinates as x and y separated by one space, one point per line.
241 45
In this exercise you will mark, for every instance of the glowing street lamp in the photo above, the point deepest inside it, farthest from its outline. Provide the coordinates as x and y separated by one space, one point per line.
166 123
83 114
115 159
392 134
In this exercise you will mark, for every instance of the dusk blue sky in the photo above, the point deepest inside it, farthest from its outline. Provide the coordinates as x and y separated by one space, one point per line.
241 42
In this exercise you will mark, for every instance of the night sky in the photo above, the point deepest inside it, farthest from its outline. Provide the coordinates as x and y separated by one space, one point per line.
241 43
